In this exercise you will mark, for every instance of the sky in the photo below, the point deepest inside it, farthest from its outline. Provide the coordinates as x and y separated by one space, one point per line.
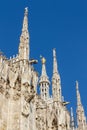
60 24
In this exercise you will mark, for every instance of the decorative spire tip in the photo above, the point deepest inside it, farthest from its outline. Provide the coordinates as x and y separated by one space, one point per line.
43 60
77 84
26 10
54 52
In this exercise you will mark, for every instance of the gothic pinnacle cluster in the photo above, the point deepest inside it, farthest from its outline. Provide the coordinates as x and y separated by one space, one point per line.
21 107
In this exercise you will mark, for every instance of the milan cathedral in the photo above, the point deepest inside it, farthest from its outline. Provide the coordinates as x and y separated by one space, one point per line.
21 107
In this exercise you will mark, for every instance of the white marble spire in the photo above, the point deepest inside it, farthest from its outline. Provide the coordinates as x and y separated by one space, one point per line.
78 94
24 49
55 66
81 118
56 81
25 21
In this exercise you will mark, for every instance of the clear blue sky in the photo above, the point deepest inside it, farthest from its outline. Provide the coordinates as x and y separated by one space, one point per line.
60 24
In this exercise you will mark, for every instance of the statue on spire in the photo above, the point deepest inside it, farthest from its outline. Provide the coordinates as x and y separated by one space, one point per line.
26 10
43 60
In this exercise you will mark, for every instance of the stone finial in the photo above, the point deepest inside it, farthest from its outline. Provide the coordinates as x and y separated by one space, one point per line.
43 60
77 84
54 52
26 11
